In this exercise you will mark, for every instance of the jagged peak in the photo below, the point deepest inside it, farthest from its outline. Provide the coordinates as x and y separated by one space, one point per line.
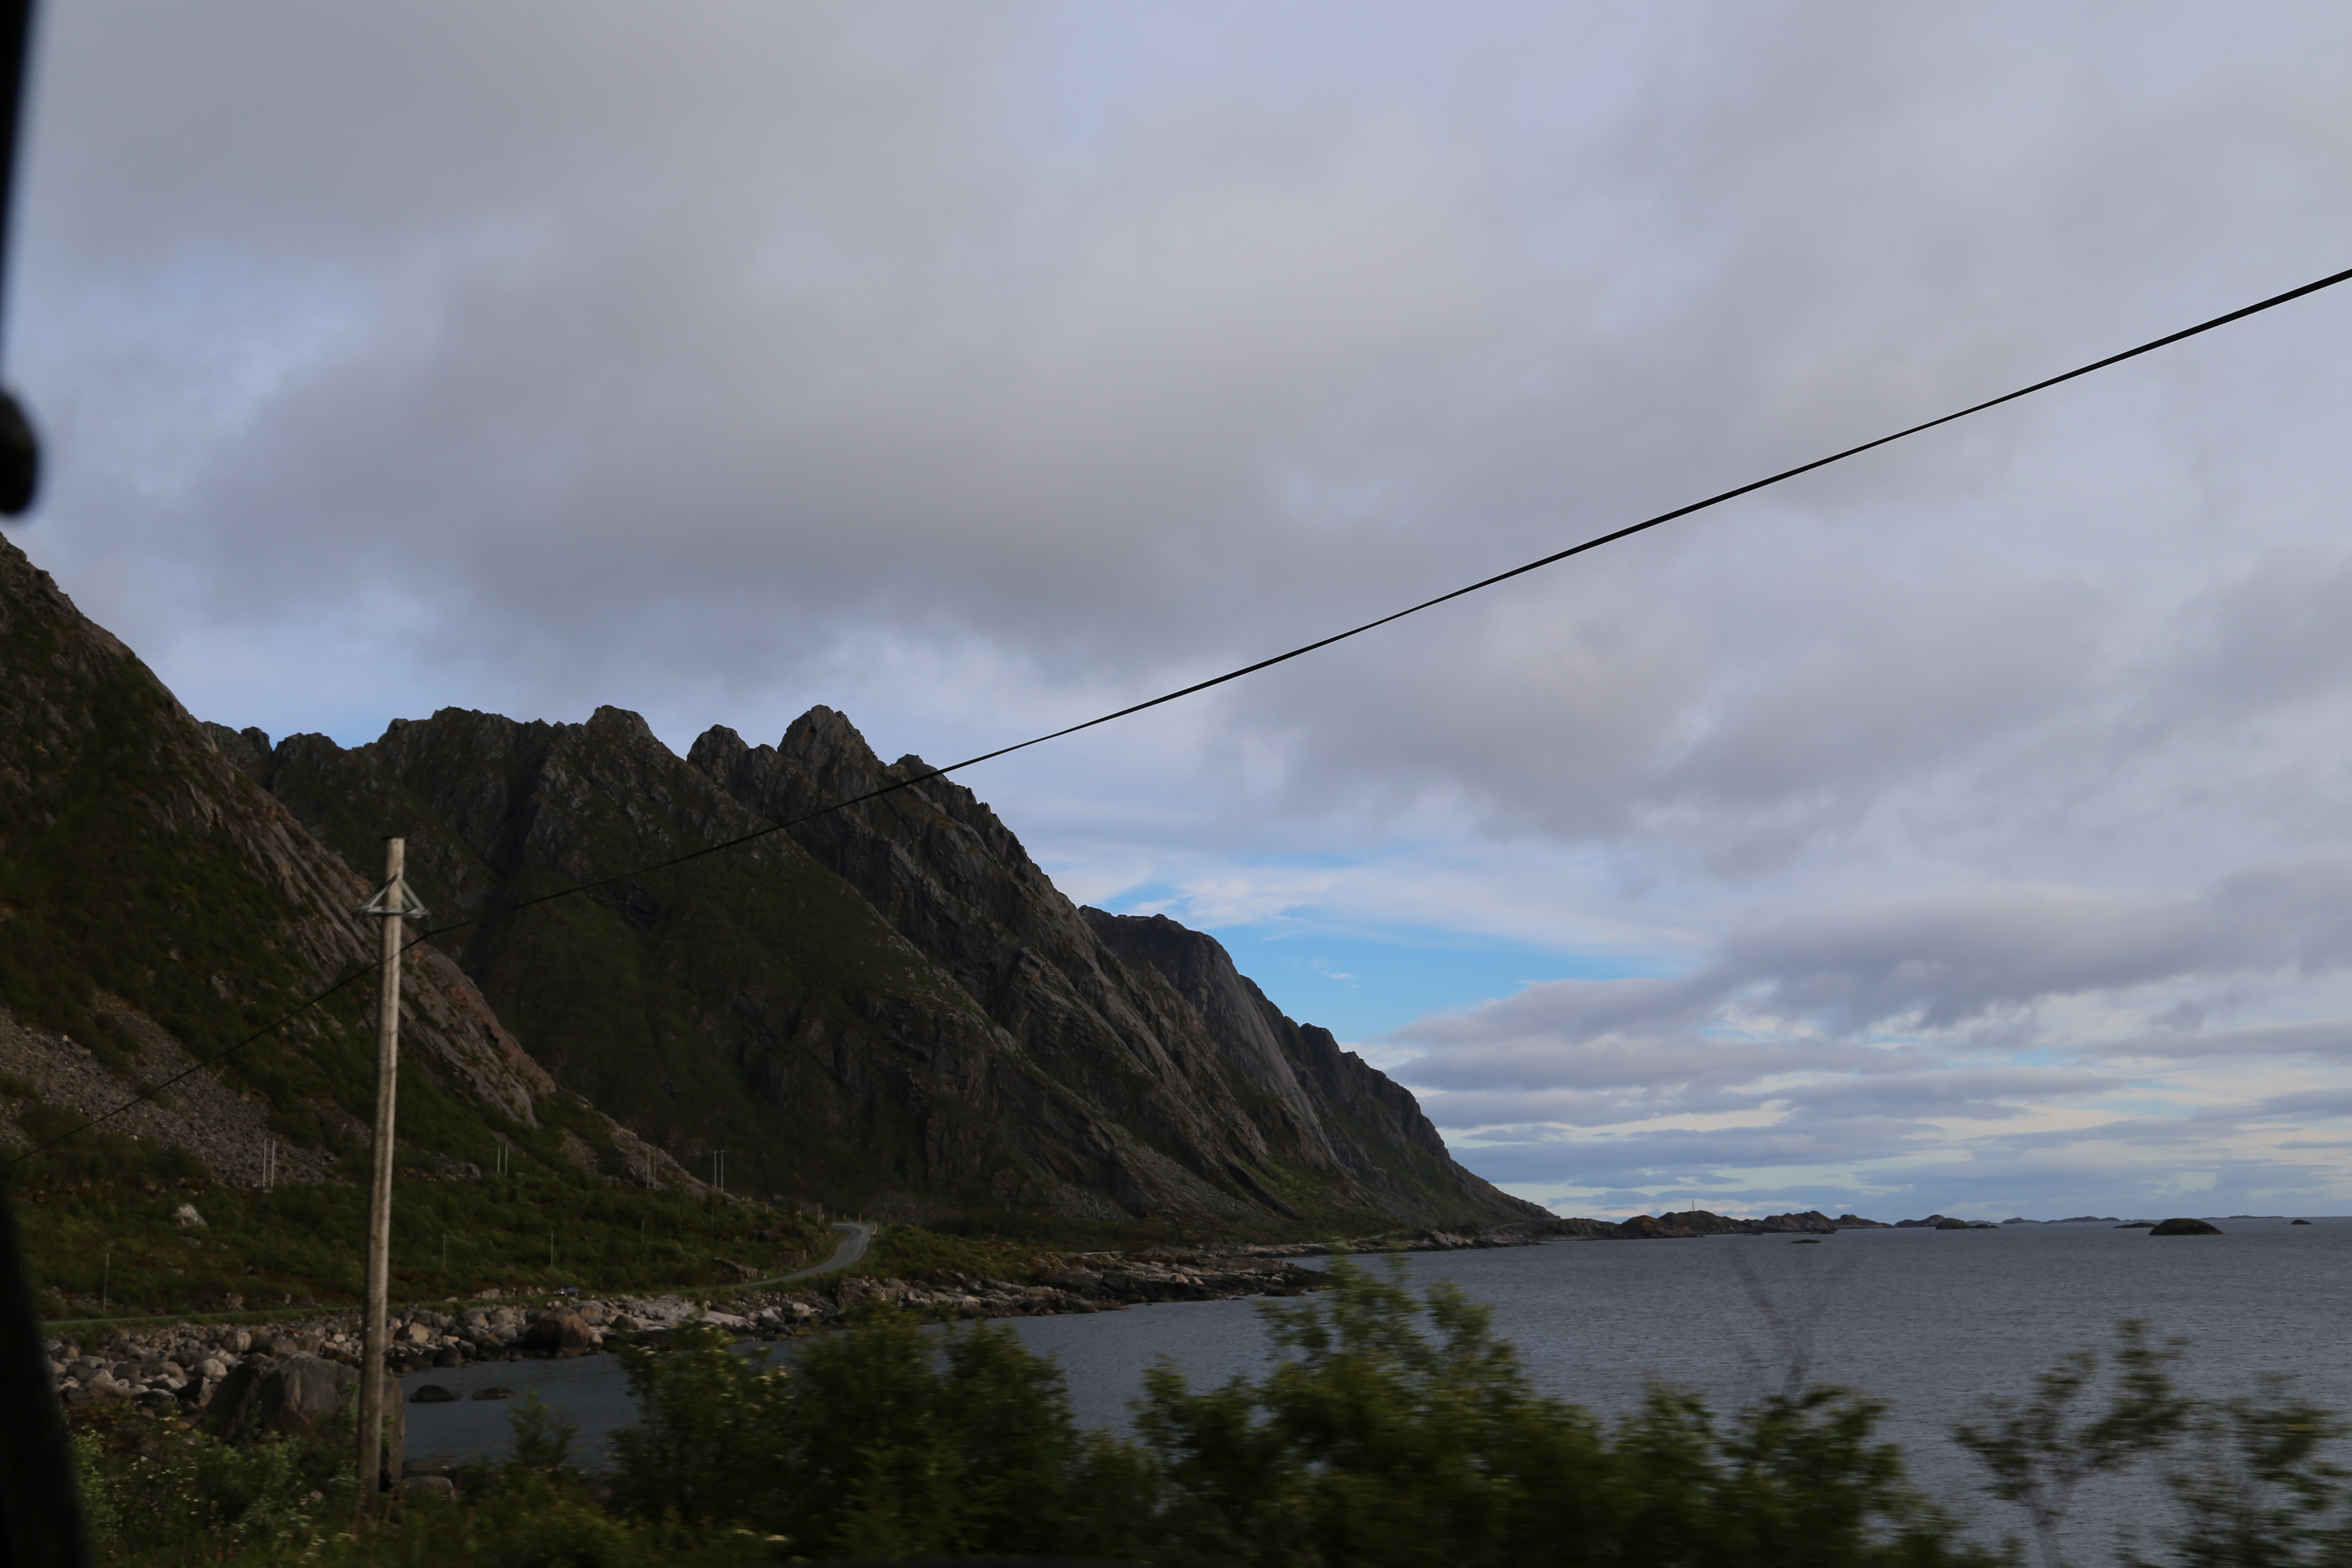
608 721
825 734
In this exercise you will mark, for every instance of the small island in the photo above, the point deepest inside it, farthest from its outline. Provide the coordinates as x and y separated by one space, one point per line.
2184 1227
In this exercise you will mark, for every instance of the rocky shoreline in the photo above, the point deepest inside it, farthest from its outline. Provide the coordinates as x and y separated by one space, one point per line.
180 1366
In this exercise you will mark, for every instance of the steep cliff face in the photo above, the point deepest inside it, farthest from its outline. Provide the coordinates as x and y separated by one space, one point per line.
157 905
1144 1018
1371 1124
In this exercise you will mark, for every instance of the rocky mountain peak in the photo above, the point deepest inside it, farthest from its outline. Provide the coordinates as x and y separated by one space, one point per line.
1143 1016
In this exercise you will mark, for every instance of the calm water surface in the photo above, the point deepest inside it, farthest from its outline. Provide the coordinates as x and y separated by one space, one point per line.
1927 1319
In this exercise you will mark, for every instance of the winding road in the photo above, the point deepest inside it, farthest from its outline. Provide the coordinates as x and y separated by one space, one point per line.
857 1234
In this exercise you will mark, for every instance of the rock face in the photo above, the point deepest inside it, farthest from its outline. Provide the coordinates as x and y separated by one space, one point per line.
1141 1018
2184 1227
889 1008
1336 1112
161 905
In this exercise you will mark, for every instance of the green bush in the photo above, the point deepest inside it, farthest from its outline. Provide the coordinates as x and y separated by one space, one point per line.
1399 1430
176 1494
872 1445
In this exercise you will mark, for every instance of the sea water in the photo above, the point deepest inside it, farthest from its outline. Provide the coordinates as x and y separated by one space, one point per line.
1930 1320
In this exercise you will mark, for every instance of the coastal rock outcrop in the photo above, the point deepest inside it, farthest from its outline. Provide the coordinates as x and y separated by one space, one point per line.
2184 1227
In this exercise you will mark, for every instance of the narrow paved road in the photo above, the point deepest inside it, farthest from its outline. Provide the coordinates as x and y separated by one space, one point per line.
857 1233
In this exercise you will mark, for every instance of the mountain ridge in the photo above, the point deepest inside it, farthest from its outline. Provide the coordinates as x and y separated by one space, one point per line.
889 1007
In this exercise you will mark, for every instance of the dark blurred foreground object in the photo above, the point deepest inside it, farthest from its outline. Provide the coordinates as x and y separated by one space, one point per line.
20 458
20 453
966 1563
40 1511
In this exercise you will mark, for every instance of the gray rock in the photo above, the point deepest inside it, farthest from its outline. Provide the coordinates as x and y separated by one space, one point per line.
432 1394
301 1397
562 1333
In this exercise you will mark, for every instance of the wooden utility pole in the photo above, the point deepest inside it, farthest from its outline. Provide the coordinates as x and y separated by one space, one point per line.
391 904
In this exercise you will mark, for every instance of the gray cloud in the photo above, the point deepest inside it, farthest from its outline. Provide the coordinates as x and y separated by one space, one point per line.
977 369
729 345
1937 960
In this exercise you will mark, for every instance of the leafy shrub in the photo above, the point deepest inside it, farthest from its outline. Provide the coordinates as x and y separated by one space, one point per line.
872 1445
1400 1430
187 1493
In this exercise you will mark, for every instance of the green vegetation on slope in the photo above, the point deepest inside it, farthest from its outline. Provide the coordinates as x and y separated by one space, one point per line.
97 1215
117 877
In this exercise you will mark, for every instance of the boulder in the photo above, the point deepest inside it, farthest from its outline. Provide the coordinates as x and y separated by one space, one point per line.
2184 1227
301 1397
559 1333
432 1394
492 1393
2298 1222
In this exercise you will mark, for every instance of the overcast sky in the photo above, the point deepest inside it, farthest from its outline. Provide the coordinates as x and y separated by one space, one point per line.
1963 828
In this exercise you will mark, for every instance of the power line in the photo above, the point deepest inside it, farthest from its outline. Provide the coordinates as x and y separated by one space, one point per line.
1199 686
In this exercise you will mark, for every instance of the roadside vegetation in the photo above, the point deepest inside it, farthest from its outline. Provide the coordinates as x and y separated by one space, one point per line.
1394 1429
97 1215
